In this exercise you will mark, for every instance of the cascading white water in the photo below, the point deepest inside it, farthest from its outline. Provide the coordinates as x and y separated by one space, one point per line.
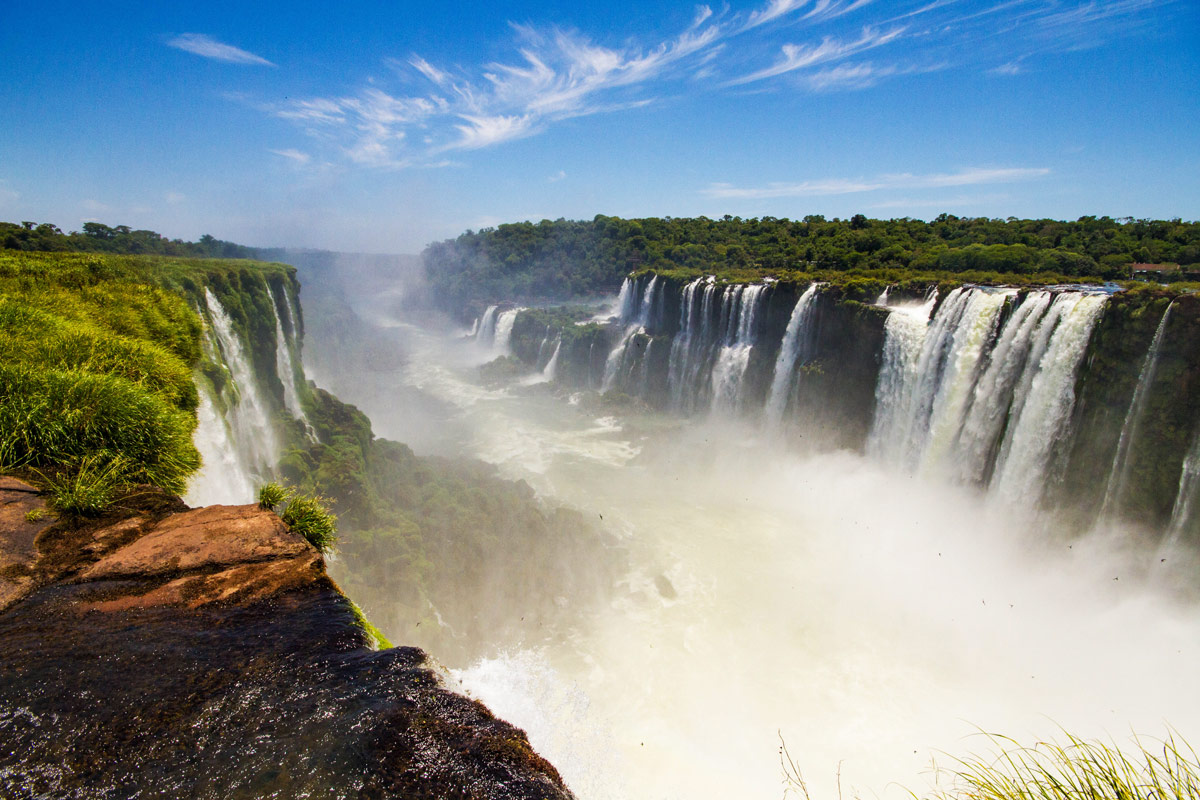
223 477
1044 400
993 393
1118 476
249 417
550 372
792 351
742 303
503 337
949 389
902 427
285 367
967 349
484 330
681 347
635 317
904 340
689 380
1183 515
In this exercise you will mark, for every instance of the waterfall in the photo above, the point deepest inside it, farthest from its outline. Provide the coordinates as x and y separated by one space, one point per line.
796 347
1183 519
741 305
285 367
687 378
635 317
249 416
681 347
971 399
967 350
931 390
484 329
1118 475
503 331
905 330
1045 398
223 478
550 372
985 420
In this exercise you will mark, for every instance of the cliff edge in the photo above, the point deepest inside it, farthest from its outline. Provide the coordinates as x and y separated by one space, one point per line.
168 651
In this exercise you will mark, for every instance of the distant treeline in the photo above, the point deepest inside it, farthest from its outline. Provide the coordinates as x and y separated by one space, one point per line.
99 238
566 258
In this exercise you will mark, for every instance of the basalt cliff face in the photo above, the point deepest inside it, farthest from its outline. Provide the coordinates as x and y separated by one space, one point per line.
166 651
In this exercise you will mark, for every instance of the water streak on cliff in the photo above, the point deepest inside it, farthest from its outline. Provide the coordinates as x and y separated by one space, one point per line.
793 352
285 363
1118 478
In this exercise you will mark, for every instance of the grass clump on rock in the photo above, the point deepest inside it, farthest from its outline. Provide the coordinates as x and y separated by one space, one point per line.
307 515
88 487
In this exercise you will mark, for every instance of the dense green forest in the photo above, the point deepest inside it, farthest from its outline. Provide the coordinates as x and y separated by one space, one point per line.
563 258
99 238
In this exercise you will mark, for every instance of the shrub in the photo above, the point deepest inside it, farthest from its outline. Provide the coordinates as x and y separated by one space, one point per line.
308 516
50 418
271 495
87 487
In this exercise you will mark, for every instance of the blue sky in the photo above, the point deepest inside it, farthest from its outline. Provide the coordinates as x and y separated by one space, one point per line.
385 126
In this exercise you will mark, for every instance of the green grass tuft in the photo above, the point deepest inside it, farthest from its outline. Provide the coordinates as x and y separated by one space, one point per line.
271 495
308 516
56 418
1078 769
88 487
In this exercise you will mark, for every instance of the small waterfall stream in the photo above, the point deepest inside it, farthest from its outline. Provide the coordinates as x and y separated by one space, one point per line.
1118 478
285 365
241 447
793 352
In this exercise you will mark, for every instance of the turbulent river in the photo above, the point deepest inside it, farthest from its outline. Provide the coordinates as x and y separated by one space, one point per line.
873 621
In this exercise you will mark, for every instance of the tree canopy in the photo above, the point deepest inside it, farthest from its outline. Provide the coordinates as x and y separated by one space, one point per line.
96 237
564 258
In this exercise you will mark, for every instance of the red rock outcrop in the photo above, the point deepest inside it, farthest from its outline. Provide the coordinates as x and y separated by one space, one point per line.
167 651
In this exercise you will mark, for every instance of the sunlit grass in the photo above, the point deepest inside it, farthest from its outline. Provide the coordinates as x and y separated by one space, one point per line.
307 515
1070 769
1074 769
87 487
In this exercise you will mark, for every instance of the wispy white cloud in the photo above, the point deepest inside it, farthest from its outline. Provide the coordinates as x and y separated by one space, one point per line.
799 56
175 198
203 45
477 132
429 71
849 76
972 176
295 155
774 10
554 74
1010 68
556 177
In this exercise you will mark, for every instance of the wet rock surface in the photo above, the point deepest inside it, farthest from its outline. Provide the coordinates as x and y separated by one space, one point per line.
204 653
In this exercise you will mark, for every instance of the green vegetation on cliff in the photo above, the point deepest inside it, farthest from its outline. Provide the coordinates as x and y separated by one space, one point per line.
97 354
565 259
442 541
